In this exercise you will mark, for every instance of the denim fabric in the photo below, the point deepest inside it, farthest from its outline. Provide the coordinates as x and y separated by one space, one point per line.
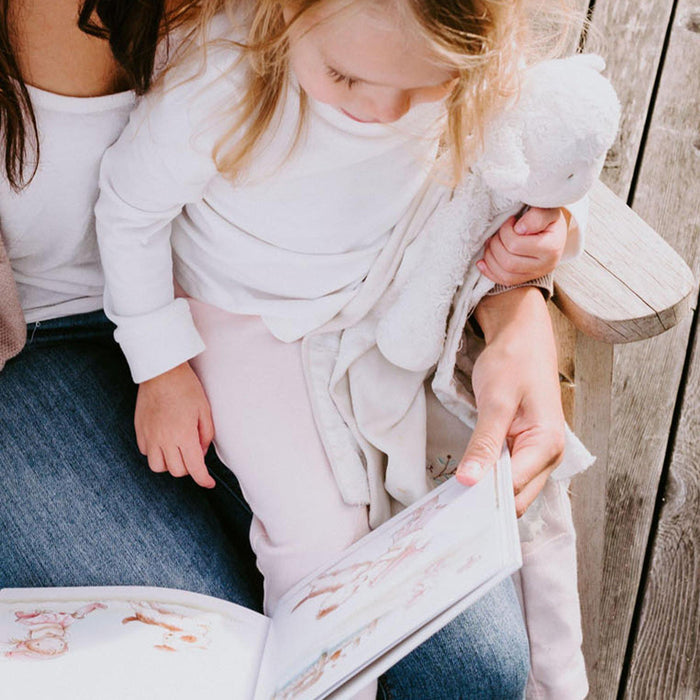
481 655
80 507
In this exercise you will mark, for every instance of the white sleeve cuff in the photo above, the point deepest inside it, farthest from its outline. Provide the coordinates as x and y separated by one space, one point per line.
158 341
578 222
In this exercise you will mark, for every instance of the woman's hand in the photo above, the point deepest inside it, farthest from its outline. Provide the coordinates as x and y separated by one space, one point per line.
516 385
173 422
526 248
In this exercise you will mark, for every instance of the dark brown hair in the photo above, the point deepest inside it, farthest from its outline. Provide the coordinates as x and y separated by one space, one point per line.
17 122
132 28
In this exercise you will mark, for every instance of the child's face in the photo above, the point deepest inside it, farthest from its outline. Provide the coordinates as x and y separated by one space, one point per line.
365 62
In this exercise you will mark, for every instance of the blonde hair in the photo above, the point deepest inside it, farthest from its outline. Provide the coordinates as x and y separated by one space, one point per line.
488 42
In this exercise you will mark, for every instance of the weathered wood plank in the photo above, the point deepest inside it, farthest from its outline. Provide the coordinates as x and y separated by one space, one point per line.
629 284
665 661
645 385
585 368
629 34
646 375
592 396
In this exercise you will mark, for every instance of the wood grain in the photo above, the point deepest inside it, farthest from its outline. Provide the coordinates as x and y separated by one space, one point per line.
629 284
629 34
592 397
665 661
645 385
646 375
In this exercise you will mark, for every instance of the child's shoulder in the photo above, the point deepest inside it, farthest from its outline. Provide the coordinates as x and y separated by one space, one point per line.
203 54
202 77
226 27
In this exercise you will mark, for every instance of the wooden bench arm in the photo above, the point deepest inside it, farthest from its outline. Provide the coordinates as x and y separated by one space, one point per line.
629 284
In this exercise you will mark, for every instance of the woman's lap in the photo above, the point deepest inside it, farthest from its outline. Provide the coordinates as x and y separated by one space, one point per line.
80 507
482 654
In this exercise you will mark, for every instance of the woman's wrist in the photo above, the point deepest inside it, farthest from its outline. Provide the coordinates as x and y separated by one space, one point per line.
520 310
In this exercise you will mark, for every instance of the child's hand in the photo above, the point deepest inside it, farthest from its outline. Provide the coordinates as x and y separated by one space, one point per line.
173 422
527 249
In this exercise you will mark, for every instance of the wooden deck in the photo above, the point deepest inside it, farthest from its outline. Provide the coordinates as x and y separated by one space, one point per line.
649 645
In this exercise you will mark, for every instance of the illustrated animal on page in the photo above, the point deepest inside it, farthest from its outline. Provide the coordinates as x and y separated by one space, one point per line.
545 150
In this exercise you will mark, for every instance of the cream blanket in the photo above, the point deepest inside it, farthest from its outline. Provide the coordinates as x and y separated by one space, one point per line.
372 411
390 431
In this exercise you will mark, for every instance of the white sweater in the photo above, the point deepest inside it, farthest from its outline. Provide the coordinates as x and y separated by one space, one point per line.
48 227
291 242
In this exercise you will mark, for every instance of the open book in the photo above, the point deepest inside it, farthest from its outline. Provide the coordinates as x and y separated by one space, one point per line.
331 634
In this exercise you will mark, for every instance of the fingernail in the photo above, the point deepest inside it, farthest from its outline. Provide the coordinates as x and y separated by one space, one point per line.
481 265
470 469
520 227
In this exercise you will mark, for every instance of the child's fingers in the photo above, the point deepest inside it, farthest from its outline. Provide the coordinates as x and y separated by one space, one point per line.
506 260
512 271
515 244
194 462
491 269
174 461
141 442
206 431
156 461
486 271
535 220
544 248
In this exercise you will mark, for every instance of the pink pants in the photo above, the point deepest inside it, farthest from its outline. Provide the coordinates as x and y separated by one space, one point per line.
265 433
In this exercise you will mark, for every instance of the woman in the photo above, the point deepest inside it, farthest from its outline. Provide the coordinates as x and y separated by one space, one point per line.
80 506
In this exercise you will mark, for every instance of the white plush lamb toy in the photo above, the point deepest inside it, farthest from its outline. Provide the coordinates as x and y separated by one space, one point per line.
545 150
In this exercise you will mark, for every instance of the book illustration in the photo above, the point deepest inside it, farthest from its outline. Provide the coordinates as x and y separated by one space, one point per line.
432 571
335 587
333 632
179 631
328 658
442 469
407 590
48 630
47 636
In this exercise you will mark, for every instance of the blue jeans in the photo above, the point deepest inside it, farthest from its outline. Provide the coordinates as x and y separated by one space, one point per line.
482 654
79 507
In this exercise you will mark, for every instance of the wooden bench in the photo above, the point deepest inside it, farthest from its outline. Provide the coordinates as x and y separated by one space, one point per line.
628 285
636 403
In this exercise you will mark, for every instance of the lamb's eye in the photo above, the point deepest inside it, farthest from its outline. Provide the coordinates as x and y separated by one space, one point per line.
570 176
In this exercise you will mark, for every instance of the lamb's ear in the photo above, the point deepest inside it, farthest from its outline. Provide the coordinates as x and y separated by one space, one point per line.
592 60
503 165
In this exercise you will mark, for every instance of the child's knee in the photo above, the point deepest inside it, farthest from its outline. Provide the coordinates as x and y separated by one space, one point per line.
326 530
295 551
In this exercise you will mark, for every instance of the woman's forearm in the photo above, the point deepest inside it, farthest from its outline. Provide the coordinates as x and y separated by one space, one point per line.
516 387
520 310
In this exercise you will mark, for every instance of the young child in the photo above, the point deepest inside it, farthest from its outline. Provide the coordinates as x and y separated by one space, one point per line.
268 177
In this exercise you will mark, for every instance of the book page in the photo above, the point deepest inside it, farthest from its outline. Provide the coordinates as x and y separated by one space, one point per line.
426 559
130 643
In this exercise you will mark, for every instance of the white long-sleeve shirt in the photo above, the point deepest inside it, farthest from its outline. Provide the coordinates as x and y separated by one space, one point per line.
291 242
49 227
